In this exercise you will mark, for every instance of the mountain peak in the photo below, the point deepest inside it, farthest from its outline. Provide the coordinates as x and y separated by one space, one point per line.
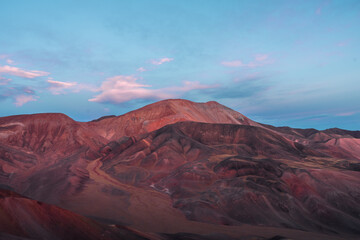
156 115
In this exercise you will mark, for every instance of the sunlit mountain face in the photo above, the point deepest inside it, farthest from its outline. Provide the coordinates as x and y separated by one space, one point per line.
176 169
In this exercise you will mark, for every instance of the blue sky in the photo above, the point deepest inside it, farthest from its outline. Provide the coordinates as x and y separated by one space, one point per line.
294 63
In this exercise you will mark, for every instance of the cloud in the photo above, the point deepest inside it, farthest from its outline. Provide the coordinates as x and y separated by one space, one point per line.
141 69
261 57
189 86
247 91
161 61
236 63
260 60
4 81
249 77
14 71
318 11
58 87
345 114
235 91
154 62
22 99
9 61
119 89
58 84
342 44
19 94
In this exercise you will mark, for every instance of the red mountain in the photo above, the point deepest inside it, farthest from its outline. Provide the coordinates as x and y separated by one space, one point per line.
177 167
160 114
24 218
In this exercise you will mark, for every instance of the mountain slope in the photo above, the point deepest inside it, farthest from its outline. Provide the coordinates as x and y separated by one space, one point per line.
179 166
24 218
159 114
233 174
42 155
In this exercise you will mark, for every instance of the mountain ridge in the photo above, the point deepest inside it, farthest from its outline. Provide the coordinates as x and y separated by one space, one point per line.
171 164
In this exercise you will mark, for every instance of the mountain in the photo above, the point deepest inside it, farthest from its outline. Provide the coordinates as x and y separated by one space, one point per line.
46 150
24 218
188 171
160 114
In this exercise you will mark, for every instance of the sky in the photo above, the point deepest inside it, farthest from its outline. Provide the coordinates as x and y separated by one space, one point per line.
285 63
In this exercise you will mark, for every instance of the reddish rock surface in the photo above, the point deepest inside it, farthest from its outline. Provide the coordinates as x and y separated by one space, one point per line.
24 218
159 114
177 166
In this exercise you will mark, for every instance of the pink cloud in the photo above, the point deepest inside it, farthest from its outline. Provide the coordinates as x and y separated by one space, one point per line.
345 114
58 84
58 87
188 86
161 61
238 63
9 61
261 57
22 73
22 99
4 81
342 44
119 89
260 60
141 69
318 11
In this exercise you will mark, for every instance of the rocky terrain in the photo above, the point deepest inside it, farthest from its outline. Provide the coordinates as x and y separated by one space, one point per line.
176 169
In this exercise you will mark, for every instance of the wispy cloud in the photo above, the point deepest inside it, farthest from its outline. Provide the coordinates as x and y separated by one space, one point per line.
236 63
9 61
161 61
58 87
22 99
189 86
14 71
343 43
249 77
260 60
318 11
18 94
119 89
239 63
237 90
141 69
59 84
261 57
4 81
345 114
